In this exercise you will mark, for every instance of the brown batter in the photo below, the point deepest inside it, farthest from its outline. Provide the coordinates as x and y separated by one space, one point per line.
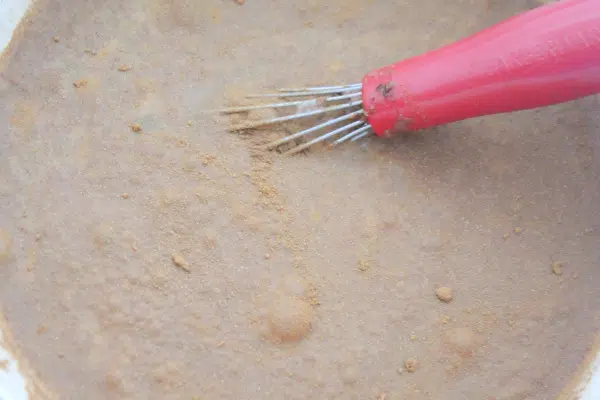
146 253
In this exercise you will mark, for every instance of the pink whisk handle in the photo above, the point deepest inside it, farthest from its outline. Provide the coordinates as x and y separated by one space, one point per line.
546 56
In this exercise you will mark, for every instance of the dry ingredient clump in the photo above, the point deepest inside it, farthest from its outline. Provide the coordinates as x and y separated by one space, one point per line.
445 294
290 319
411 365
181 262
557 268
80 83
137 128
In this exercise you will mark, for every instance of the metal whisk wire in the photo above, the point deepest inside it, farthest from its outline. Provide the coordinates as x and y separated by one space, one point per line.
346 98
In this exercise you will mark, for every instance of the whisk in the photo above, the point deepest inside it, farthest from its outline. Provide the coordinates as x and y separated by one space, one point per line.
545 56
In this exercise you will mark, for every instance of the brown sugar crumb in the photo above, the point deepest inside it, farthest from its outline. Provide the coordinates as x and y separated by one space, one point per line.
181 262
80 83
137 128
56 39
411 365
125 195
124 67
